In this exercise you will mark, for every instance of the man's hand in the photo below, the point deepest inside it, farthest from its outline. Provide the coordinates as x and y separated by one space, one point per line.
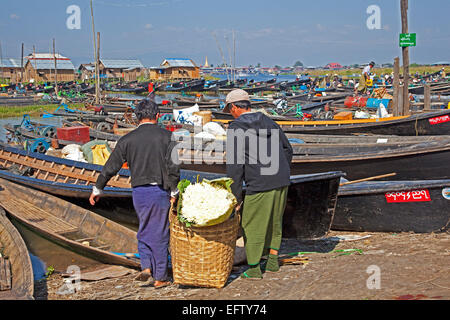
173 204
93 199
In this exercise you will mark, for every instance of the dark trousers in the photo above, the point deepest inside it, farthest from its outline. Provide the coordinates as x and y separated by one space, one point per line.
152 205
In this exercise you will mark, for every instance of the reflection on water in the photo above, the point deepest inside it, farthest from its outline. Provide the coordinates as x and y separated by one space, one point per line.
44 253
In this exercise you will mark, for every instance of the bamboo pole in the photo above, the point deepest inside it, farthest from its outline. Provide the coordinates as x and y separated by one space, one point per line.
398 109
21 66
97 83
1 62
369 178
427 97
221 54
56 69
95 52
34 57
405 53
234 56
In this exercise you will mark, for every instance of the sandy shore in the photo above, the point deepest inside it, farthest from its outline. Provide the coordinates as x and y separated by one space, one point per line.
384 266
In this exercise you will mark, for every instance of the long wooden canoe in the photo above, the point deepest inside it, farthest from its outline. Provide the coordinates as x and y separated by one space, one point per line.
394 206
429 123
411 161
16 272
59 176
75 179
70 226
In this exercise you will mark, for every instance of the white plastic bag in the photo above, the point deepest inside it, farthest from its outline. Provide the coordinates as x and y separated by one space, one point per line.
382 112
181 115
194 120
214 128
204 136
362 115
73 152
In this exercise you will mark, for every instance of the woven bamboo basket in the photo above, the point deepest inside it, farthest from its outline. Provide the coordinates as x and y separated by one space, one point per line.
202 256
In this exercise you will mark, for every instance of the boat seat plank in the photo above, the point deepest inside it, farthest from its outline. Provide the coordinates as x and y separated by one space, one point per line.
36 216
85 239
5 274
61 171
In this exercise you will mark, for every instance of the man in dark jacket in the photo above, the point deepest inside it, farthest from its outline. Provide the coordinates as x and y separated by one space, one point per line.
259 154
154 178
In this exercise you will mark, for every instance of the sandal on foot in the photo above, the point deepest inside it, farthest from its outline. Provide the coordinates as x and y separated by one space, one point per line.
143 276
162 284
244 275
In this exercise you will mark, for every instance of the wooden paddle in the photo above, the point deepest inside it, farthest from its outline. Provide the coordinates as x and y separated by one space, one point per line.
369 178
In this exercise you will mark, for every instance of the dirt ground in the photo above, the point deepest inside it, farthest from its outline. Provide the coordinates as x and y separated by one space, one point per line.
386 266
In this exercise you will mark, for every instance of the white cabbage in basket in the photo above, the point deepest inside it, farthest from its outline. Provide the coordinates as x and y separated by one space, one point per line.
206 204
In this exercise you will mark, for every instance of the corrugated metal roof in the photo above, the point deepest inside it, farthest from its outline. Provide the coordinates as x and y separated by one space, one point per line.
45 56
10 63
46 61
88 67
179 62
121 64
50 64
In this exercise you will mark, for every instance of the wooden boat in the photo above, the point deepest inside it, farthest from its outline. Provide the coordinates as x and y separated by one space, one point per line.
75 179
394 206
310 205
429 123
185 86
16 272
135 90
82 116
414 161
70 226
337 140
58 176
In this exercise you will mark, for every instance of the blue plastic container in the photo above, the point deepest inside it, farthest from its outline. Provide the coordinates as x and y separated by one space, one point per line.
375 103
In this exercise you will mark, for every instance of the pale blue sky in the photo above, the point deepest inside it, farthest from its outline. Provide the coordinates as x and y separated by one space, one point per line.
269 32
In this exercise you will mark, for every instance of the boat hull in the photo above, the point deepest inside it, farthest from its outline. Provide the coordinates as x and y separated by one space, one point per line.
21 269
391 206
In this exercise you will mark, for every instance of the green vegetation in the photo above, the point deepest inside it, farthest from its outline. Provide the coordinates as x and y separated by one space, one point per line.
357 71
32 110
207 77
49 272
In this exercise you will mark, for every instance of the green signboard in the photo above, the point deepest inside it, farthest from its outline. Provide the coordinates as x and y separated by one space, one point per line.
407 39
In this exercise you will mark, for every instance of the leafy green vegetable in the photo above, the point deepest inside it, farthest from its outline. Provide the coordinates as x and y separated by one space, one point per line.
221 182
224 183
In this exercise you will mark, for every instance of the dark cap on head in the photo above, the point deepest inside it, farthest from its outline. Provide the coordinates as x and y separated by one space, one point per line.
372 63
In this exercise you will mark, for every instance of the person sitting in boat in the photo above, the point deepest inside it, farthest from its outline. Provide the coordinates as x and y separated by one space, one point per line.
154 177
365 75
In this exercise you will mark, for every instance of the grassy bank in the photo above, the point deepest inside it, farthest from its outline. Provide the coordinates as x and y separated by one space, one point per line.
379 71
32 110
